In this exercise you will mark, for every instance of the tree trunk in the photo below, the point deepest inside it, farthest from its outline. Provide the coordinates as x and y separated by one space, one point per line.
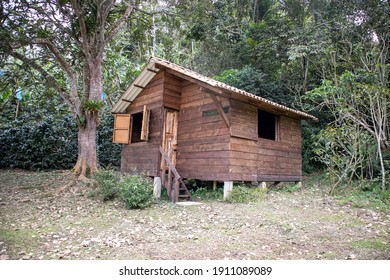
87 162
87 156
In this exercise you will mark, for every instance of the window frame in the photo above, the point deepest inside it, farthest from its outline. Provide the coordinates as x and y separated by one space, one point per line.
144 126
276 120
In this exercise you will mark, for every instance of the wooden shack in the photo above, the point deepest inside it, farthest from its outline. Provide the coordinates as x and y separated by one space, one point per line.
175 123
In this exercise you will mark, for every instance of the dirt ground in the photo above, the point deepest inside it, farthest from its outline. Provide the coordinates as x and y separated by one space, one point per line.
36 222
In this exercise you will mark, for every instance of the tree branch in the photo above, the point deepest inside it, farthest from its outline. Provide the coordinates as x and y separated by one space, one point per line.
49 80
119 23
83 28
64 64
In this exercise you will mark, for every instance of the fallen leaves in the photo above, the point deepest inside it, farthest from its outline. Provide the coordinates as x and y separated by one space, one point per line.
38 223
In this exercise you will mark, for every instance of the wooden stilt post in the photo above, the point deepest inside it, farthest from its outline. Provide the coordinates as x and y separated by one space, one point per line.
176 191
227 188
214 185
169 184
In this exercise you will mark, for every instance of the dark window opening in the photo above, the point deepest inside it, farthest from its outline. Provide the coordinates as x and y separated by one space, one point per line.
136 128
266 125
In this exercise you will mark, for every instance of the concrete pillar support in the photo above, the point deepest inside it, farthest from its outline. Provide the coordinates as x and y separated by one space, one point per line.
263 185
227 188
157 187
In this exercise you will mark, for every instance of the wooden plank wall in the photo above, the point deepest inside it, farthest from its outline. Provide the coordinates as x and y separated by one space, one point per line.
172 91
203 142
258 159
144 156
243 143
281 160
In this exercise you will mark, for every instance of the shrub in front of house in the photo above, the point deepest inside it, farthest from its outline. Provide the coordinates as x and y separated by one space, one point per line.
244 194
107 180
136 191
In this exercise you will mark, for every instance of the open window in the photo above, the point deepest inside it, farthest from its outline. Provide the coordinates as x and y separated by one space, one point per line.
267 124
140 126
121 129
131 128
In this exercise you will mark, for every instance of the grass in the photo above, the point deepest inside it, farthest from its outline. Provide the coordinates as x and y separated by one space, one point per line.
372 245
285 218
205 194
20 239
363 199
357 194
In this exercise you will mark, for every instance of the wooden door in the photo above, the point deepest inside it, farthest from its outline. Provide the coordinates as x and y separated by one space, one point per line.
169 143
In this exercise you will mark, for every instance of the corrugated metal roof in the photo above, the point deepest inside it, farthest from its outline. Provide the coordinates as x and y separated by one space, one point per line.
146 75
135 88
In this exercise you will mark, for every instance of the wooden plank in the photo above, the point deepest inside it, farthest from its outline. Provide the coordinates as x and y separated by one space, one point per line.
138 86
244 134
152 70
199 134
278 178
206 161
195 81
145 124
128 101
220 109
214 147
207 176
168 161
184 165
206 141
278 153
243 177
186 127
173 87
244 155
242 170
241 148
275 171
121 133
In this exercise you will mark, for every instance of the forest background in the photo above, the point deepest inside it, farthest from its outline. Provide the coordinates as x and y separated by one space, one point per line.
327 57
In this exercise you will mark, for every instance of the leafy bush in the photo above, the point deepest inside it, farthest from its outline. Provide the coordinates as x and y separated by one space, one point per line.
136 191
38 140
47 143
207 194
108 180
292 188
243 194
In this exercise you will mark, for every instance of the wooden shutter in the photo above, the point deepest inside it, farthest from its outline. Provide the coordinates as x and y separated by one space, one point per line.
121 129
145 124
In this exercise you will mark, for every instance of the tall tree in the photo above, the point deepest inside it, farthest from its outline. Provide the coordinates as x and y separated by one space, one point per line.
64 41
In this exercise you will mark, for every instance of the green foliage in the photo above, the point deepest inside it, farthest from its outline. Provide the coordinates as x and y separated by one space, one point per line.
108 180
291 188
206 194
48 143
352 144
136 191
244 194
93 105
359 197
40 139
254 81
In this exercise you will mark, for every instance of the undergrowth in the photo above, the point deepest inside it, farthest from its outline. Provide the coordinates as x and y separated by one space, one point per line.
245 194
135 191
356 193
